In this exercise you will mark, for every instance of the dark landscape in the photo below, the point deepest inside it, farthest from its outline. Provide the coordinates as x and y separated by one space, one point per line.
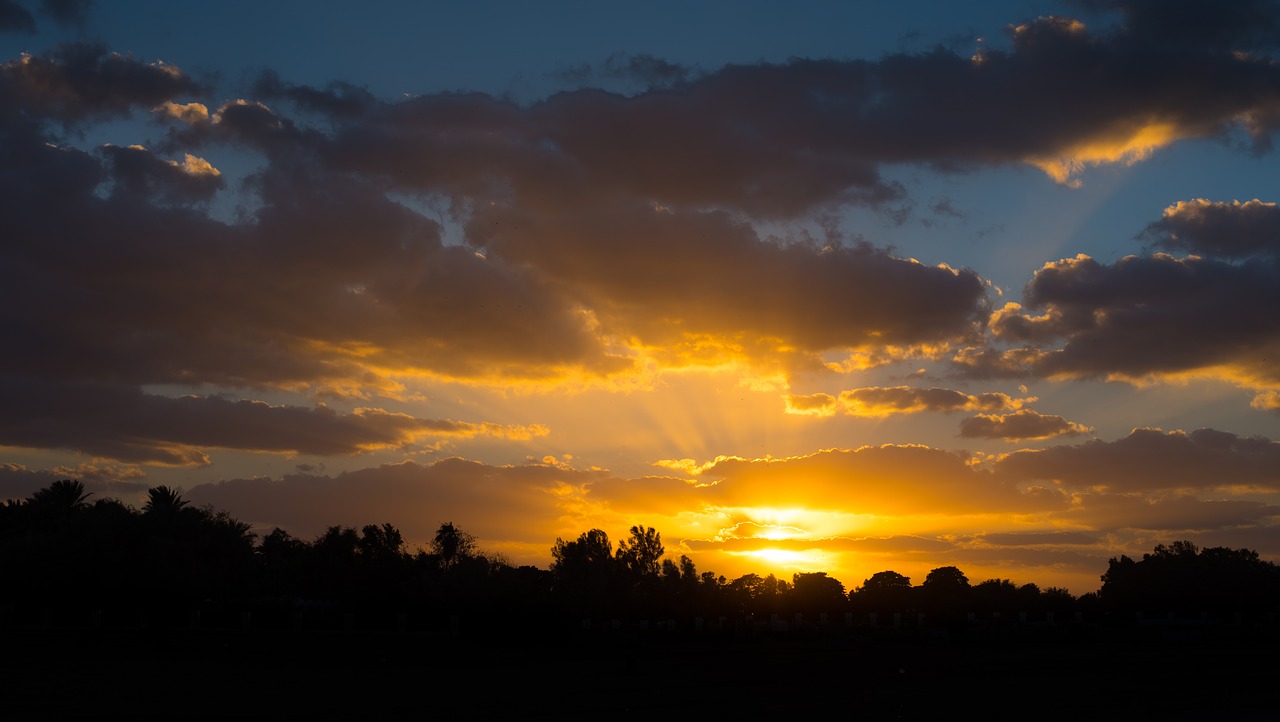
110 611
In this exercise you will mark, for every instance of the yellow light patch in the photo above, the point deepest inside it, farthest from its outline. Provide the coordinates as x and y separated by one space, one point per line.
820 405
1127 147
188 113
780 556
194 165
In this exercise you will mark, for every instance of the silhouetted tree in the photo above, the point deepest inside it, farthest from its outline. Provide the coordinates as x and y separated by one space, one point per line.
754 594
945 589
584 570
815 592
1182 577
331 568
163 501
378 543
994 595
61 496
639 556
451 545
57 504
886 591
283 559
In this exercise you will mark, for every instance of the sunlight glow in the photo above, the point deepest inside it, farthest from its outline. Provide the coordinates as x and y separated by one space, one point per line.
780 556
1129 148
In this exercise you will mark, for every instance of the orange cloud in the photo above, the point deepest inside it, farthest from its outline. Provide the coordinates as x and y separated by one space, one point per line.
886 401
1022 424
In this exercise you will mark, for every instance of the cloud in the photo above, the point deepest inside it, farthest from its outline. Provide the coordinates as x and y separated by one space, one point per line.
341 100
1267 401
672 278
883 401
107 481
1022 424
811 404
612 261
1173 514
1218 229
190 113
81 81
886 401
332 287
127 425
1153 460
137 171
1246 25
1143 317
755 530
15 19
1022 539
631 72
72 13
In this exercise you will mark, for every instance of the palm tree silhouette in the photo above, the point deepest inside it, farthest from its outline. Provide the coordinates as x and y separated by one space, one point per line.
163 501
62 496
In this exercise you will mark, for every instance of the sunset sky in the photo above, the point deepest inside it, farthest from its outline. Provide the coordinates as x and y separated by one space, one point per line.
823 286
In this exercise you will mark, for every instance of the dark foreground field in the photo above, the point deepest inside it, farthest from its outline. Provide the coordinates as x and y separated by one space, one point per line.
183 674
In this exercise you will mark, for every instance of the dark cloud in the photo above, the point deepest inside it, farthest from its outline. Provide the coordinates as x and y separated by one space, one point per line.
331 281
1144 316
1021 424
1025 539
780 140
15 19
1079 97
81 81
102 481
74 13
1243 25
1029 563
137 171
632 72
337 100
670 276
1260 538
944 207
883 401
127 425
1223 230
1177 514
1150 460
898 544
1155 315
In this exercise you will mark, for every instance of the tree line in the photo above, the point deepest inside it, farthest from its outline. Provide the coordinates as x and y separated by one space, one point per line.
60 548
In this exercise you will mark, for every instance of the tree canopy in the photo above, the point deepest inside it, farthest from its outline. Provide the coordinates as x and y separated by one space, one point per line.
56 547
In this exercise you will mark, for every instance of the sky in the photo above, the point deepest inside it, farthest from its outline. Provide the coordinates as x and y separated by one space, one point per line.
841 287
